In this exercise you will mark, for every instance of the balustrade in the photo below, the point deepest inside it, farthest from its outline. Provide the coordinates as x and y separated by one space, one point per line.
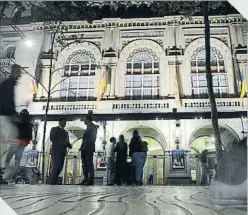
5 62
138 106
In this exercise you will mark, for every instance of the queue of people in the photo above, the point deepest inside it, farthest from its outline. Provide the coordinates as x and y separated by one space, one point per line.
117 172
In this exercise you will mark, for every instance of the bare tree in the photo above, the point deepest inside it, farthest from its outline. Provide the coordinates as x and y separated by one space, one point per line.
214 112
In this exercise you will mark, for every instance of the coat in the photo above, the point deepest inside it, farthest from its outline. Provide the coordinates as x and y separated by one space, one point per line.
60 140
89 138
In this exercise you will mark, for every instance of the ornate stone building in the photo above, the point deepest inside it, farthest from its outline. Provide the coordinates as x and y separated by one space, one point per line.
155 74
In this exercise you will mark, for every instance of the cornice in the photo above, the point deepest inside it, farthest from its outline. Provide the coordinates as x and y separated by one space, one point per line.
152 22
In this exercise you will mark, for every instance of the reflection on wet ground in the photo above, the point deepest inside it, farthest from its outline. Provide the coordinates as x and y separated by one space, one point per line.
75 200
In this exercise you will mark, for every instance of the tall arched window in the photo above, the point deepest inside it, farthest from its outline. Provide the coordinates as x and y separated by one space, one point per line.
81 67
142 74
198 72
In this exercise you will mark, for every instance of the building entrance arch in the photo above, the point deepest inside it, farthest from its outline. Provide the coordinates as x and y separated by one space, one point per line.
154 170
202 139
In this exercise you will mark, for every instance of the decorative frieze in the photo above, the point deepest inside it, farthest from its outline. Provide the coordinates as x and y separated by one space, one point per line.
133 34
221 104
138 106
70 107
200 31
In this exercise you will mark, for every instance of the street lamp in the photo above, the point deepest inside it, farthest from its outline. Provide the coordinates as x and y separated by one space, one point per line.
177 134
29 43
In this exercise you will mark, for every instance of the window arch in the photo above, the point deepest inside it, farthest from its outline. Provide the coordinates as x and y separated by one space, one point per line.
198 72
9 52
81 67
142 74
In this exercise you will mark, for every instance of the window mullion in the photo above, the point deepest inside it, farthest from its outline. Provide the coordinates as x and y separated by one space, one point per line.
78 80
88 90
197 77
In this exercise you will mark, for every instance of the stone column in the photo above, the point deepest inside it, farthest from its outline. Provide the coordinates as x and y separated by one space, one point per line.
112 86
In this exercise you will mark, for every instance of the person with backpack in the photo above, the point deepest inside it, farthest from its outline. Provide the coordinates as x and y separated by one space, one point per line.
121 161
138 151
18 145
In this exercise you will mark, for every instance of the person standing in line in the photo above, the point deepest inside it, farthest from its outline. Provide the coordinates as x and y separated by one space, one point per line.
87 150
121 161
151 173
110 161
139 155
17 146
60 142
8 115
205 169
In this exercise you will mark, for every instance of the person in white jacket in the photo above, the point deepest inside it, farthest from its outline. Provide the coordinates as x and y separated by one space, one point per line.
110 161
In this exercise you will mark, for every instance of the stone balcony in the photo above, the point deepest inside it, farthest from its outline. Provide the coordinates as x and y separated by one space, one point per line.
5 62
137 106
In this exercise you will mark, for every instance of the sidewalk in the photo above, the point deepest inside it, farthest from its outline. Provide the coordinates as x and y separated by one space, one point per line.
78 200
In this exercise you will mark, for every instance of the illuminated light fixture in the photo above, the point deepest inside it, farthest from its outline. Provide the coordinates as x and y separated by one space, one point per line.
29 43
213 139
177 131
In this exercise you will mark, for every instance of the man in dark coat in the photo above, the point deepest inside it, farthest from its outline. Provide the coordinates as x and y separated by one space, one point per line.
87 151
121 161
60 142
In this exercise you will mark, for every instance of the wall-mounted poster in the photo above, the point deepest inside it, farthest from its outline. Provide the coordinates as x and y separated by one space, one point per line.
100 160
178 161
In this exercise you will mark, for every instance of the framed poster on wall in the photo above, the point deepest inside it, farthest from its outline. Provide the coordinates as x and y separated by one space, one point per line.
178 159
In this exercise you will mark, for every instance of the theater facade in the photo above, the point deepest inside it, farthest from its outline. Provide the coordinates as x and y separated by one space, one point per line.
154 69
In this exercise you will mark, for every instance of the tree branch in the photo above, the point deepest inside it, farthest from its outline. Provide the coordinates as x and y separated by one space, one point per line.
30 75
59 83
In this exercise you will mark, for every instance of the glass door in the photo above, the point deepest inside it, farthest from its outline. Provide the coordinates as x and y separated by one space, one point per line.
73 170
154 170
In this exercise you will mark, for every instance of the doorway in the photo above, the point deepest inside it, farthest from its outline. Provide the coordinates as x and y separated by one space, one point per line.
154 169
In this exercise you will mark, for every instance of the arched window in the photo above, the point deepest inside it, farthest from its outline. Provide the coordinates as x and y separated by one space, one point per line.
81 67
142 74
198 72
9 52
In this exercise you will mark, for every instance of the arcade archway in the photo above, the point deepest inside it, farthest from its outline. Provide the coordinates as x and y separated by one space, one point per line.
155 163
202 138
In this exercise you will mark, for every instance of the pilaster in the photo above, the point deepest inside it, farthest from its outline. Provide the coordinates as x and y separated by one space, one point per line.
113 78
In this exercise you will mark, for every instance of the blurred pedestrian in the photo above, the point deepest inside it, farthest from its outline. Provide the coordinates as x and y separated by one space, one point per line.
110 161
87 150
205 167
60 142
8 115
17 146
121 161
138 152
151 173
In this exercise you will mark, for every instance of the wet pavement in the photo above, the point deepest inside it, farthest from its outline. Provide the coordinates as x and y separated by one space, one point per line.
78 200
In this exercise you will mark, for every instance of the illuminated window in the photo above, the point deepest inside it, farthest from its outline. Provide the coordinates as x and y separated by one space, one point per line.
80 67
142 74
198 72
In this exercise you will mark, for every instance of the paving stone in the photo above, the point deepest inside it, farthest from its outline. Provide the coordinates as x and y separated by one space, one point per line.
74 200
